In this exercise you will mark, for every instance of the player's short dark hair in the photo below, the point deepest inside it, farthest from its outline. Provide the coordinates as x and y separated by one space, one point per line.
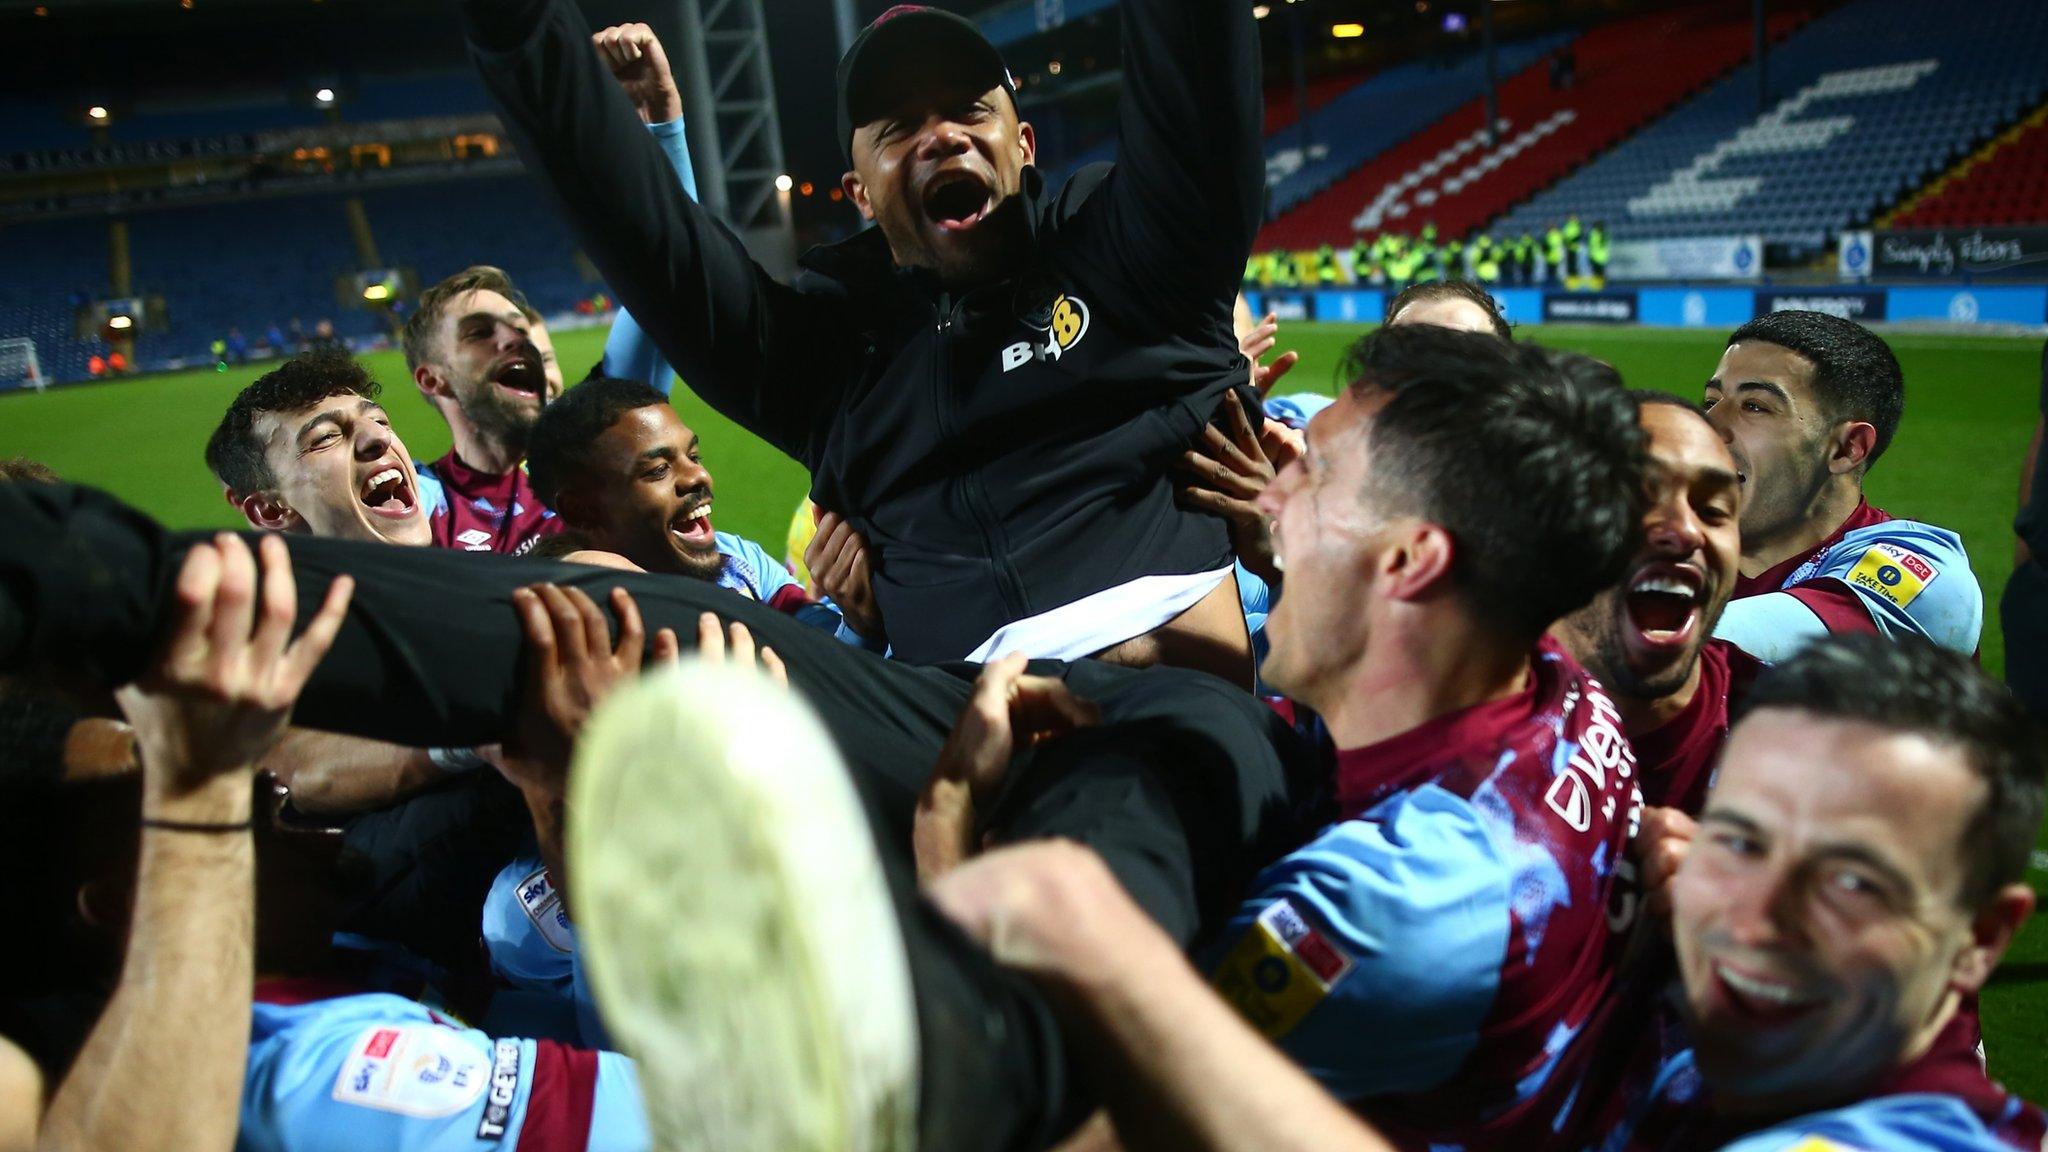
236 454
1910 684
1532 459
22 470
1650 397
561 439
1855 374
1454 289
559 546
426 317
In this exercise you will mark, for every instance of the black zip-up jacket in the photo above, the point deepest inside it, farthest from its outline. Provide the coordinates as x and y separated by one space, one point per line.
1007 451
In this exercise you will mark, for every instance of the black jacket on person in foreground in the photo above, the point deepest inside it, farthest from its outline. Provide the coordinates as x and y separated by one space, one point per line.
1006 451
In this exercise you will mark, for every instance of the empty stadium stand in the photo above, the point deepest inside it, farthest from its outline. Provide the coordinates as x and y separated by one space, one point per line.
46 264
1373 116
2005 183
242 264
1871 100
1282 112
438 229
253 263
1628 73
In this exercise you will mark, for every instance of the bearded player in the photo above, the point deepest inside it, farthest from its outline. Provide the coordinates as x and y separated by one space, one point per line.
1649 639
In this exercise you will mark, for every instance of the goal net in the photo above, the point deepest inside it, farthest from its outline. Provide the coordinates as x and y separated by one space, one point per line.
19 367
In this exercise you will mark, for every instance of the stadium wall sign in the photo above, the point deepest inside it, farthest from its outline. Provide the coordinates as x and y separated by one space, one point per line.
1861 305
1688 258
1946 253
1296 306
1852 254
1354 305
1722 308
1589 308
117 155
2004 304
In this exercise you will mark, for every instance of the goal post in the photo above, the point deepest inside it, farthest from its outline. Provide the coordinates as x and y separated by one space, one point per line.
19 367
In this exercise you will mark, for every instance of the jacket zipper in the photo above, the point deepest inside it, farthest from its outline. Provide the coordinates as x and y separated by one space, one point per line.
994 543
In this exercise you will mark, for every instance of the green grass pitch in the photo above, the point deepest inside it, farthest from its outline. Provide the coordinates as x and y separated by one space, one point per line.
1970 411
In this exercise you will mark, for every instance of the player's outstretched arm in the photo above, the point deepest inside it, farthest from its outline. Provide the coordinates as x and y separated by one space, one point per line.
1178 1068
640 65
334 775
759 352
163 1067
1188 192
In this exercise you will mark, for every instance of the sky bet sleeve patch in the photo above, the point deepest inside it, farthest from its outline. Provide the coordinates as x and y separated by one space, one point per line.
1280 970
1894 573
421 1070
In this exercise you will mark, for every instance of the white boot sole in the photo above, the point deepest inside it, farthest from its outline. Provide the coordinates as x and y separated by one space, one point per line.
735 923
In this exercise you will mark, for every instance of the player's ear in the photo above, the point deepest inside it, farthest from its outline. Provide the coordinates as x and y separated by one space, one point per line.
856 191
1419 560
1991 931
575 507
1855 441
267 511
1027 141
430 381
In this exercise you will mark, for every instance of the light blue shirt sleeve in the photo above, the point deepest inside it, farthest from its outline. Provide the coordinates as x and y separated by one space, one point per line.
381 1072
1771 627
1914 578
532 947
628 353
771 579
526 929
1252 592
1372 955
1297 410
618 1112
1911 578
1909 1122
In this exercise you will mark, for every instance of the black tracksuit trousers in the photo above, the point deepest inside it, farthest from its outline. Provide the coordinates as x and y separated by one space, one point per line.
1181 790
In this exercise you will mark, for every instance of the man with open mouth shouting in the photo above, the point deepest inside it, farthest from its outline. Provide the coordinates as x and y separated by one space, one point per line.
992 385
480 358
1649 639
618 465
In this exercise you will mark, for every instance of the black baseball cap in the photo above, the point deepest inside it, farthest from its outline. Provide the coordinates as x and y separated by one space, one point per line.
906 39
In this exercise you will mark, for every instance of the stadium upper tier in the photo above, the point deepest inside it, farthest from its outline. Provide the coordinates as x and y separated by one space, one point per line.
1381 112
1627 73
35 125
1871 100
251 264
2005 184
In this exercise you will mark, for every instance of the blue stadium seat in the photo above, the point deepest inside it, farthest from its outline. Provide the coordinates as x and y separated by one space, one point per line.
254 263
1873 99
